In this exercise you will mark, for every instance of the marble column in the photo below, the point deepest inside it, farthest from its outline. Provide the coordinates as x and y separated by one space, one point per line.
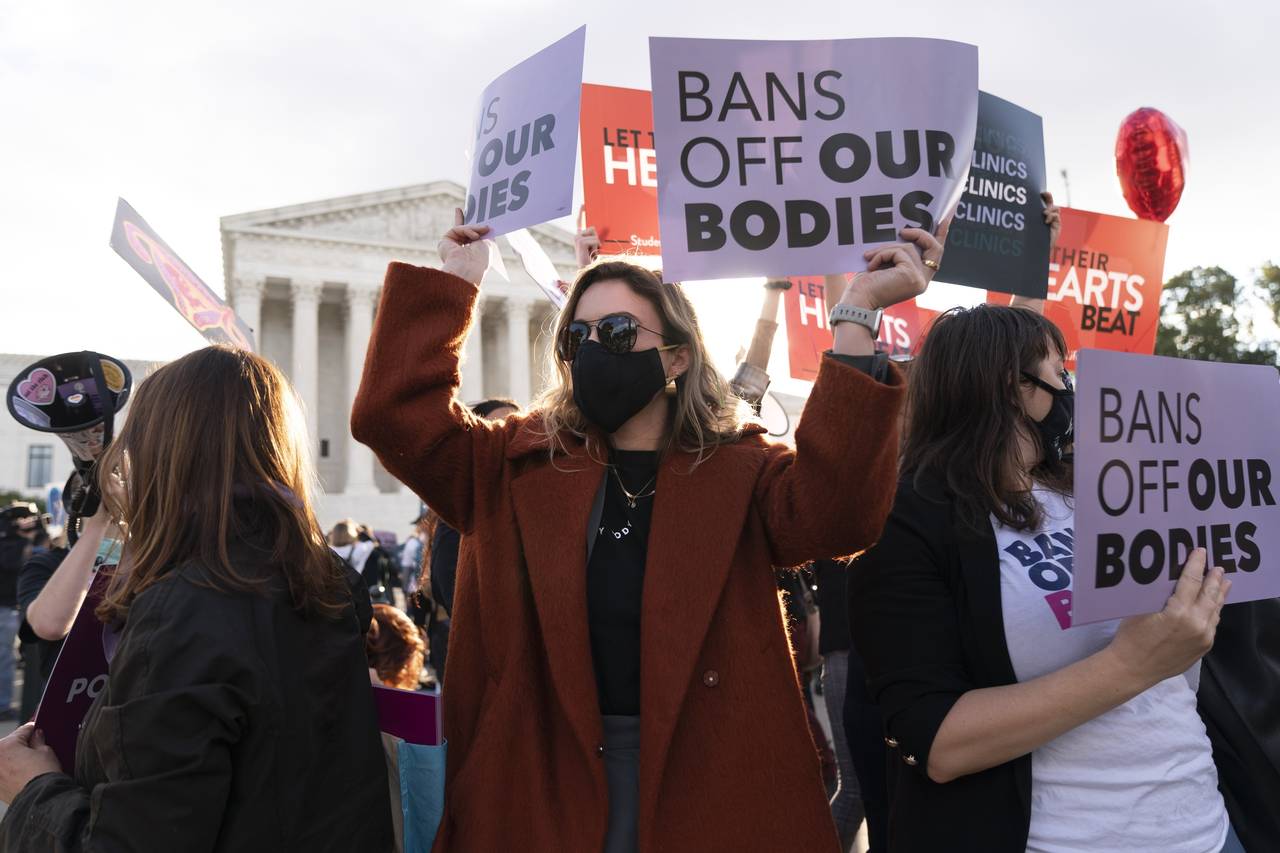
361 297
518 312
472 366
246 299
306 349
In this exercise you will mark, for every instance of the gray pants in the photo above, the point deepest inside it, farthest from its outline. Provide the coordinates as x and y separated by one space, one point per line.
846 803
622 771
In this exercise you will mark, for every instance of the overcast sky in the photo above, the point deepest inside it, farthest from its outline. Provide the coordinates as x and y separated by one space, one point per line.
194 111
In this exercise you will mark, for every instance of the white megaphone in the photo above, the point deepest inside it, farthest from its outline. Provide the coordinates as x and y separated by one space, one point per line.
75 396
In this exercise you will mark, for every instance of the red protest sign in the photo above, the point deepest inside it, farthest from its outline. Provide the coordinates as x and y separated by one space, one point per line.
619 173
809 336
1105 278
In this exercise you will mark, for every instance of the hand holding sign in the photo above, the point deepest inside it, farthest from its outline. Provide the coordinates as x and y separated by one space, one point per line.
586 243
23 756
463 250
897 272
1162 645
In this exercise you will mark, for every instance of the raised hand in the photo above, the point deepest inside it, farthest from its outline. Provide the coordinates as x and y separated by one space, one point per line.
586 243
897 272
1052 218
463 250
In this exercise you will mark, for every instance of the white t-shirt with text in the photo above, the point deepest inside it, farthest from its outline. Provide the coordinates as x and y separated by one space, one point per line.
1141 776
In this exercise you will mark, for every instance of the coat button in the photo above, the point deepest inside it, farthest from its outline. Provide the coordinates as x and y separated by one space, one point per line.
711 678
892 743
910 759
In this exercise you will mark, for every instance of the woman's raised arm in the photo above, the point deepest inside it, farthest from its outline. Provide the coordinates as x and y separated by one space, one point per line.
406 409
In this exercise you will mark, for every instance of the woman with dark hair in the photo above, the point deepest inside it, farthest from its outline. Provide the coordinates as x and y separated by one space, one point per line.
619 675
237 714
1008 728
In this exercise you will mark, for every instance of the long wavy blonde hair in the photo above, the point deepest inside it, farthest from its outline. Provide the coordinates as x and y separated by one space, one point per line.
704 414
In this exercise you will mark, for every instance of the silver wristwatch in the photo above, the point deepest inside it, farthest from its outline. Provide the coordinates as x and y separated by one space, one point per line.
843 313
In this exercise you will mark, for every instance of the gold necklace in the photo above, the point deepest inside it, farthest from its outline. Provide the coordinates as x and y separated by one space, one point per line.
631 499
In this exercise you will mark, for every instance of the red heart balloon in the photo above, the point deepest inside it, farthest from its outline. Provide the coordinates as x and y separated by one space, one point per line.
1151 162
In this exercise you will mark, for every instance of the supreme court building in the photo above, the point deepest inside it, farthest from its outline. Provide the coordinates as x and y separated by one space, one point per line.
307 277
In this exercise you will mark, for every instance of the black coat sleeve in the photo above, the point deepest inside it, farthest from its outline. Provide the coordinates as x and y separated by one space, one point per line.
444 565
905 626
174 708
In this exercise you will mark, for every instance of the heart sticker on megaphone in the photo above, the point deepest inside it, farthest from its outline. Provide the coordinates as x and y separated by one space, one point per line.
69 395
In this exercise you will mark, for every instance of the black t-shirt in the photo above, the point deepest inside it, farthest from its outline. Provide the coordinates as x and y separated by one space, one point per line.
833 605
615 580
35 574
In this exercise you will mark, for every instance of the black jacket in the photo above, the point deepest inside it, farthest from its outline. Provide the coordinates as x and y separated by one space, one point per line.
926 617
1240 704
925 614
229 723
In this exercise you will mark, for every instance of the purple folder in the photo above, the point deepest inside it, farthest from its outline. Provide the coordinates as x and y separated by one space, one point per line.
79 675
409 715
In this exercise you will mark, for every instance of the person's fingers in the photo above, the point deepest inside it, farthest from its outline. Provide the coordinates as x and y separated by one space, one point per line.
457 216
1046 197
1191 579
1211 589
37 739
943 227
925 243
582 218
22 734
892 257
870 253
880 259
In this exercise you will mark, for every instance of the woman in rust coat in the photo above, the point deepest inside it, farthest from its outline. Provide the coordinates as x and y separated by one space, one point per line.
619 674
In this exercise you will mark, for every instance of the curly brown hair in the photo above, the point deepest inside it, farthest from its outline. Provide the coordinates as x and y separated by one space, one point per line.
394 647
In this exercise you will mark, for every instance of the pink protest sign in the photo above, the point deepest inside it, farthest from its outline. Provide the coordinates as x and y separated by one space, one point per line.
160 266
409 715
78 676
784 158
526 142
1171 455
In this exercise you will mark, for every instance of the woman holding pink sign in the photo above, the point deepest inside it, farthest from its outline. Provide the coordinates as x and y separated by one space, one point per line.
1008 726
619 676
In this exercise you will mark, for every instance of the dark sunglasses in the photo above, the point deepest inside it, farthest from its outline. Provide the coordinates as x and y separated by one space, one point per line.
1068 387
617 332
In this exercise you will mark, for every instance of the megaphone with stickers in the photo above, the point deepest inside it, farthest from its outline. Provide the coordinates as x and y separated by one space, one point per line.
76 396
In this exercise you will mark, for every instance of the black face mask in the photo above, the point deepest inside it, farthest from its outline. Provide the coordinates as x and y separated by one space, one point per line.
1057 428
611 388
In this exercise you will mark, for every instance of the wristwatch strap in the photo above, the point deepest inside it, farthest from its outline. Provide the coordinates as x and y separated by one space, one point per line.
844 313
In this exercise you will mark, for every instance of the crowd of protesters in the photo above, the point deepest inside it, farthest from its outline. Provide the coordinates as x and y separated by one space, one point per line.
640 611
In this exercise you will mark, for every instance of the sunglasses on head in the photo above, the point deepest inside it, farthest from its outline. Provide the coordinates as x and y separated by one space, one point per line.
617 333
1068 387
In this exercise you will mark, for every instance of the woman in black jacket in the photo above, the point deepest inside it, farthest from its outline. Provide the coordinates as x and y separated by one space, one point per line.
237 715
1008 729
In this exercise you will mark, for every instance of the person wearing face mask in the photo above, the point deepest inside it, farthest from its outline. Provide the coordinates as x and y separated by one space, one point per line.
1007 726
619 677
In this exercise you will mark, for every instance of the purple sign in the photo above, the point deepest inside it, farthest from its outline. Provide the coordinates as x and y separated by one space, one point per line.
409 715
78 676
526 143
1172 455
784 158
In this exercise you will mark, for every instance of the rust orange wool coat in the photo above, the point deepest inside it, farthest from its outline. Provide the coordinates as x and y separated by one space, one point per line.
726 758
